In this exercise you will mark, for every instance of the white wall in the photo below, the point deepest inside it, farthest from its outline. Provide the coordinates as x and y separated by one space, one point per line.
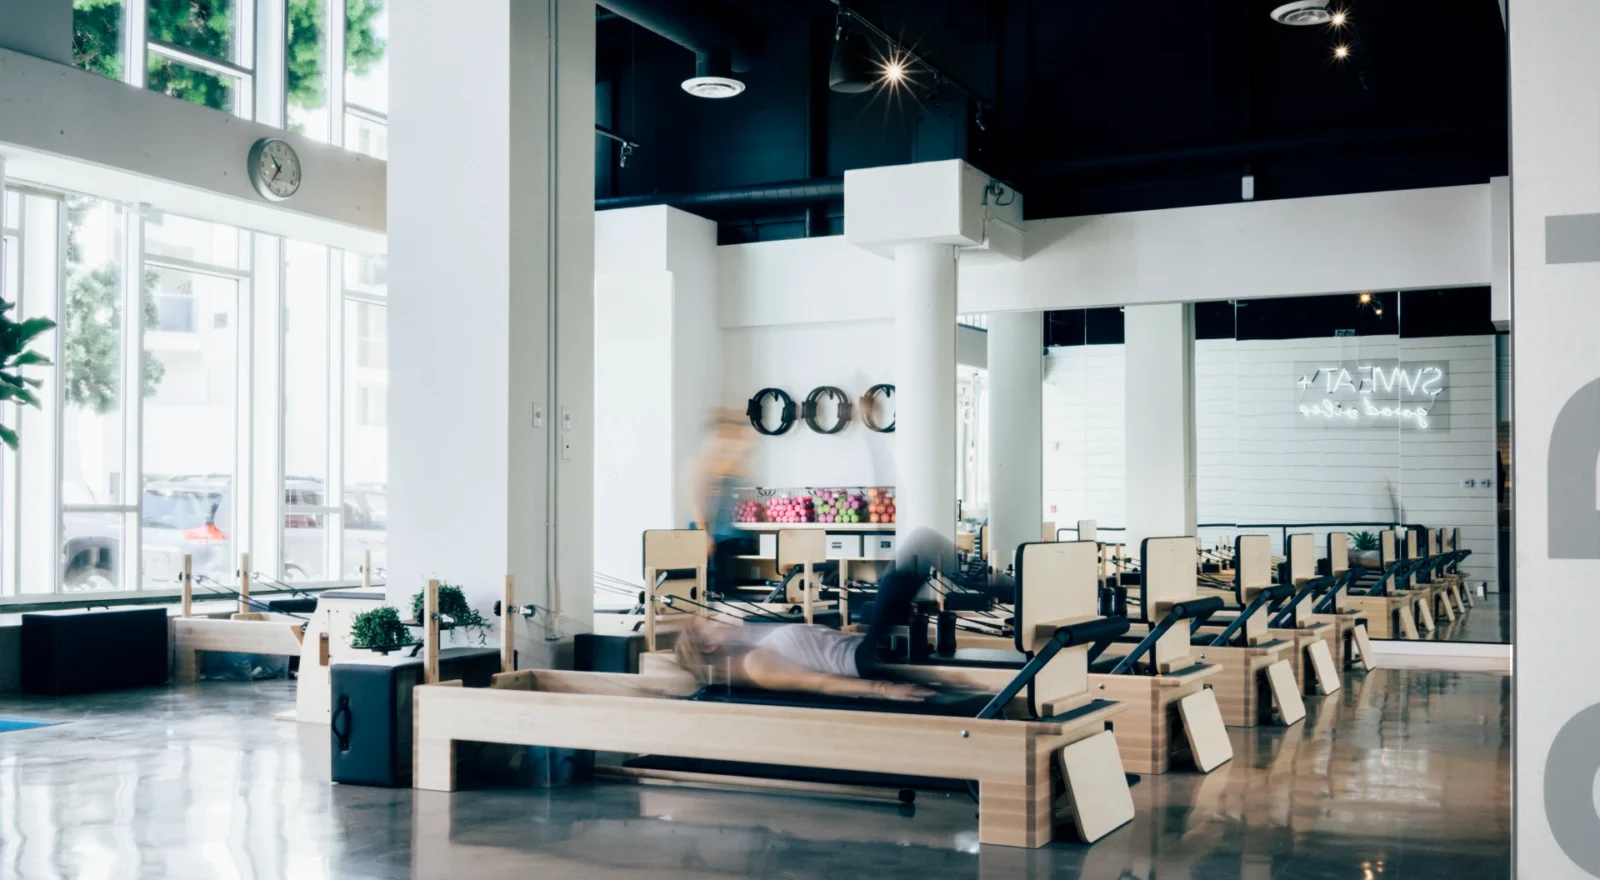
1084 464
1406 239
1254 465
635 476
852 356
1555 125
658 373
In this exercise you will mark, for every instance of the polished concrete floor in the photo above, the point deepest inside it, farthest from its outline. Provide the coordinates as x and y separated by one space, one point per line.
1404 774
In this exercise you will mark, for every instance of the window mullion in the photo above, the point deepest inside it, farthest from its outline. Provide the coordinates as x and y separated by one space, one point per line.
337 564
335 15
135 29
271 75
130 575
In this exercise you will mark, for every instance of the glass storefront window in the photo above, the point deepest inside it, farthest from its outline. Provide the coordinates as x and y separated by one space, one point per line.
206 28
366 46
190 433
306 65
97 36
366 434
307 516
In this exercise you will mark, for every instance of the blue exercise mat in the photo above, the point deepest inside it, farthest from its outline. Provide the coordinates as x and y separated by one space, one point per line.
10 724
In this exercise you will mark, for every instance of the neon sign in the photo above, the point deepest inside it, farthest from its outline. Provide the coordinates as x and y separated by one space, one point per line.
1370 394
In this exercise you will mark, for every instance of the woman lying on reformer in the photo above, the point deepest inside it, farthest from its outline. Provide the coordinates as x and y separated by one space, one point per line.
812 658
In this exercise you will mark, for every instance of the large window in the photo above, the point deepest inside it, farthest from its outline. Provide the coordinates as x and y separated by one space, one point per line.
159 437
332 59
366 408
309 515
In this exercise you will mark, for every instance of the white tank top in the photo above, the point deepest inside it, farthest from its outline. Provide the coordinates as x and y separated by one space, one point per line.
815 647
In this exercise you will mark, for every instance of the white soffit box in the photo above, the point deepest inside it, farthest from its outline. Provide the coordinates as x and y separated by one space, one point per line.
935 202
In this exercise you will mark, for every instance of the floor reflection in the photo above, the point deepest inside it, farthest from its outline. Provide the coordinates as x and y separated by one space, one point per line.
1404 773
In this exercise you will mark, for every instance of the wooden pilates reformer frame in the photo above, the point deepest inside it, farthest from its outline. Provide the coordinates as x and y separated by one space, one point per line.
1388 612
1012 761
669 599
1257 672
317 641
1170 703
1333 605
246 631
1315 671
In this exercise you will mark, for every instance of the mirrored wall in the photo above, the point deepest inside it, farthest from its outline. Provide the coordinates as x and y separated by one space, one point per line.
1359 413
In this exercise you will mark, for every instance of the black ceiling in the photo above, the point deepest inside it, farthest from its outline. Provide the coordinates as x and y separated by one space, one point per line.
1098 105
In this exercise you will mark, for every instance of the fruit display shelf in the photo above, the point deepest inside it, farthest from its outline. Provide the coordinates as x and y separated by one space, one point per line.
827 527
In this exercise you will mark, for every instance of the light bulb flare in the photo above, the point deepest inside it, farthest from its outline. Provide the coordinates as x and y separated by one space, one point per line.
1341 52
1339 18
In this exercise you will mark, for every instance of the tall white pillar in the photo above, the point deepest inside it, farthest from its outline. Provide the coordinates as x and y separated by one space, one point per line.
1016 431
925 389
491 264
1159 422
1555 271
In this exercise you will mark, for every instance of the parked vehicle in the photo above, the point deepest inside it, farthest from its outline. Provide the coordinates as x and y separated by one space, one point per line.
193 515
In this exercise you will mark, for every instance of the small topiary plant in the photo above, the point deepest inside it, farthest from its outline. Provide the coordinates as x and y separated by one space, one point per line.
1364 541
453 602
380 629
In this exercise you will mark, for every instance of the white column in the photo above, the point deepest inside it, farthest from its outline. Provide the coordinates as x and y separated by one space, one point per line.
1016 431
491 260
925 390
1555 125
1159 422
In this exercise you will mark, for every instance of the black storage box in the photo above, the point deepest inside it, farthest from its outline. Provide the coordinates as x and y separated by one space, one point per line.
79 652
371 701
601 653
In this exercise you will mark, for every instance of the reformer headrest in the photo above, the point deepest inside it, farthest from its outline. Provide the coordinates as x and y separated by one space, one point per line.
1191 608
1090 631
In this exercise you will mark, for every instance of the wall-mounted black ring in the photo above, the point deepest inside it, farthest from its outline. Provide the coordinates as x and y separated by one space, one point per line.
808 410
868 400
757 404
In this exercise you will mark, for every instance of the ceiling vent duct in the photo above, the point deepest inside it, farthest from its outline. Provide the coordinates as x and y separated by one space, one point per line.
724 42
1303 12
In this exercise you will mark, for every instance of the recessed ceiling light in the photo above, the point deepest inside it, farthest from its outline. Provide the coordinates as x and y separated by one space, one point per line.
1341 51
712 86
1302 13
1339 18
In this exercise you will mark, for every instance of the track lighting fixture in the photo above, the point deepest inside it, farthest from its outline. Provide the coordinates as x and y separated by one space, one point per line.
856 67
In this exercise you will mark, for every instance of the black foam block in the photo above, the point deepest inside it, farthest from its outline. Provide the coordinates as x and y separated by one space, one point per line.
80 652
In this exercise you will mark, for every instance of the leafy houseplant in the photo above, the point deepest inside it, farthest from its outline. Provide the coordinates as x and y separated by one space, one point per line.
453 602
1364 541
14 339
379 629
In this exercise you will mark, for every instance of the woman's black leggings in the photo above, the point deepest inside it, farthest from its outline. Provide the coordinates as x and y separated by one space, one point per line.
896 592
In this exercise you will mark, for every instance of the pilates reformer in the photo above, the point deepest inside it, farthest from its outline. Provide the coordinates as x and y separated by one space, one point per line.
1312 659
1331 603
1171 708
1389 611
1013 762
255 628
1258 673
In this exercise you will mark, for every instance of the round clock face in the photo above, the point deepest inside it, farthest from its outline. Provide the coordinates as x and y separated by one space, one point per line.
274 169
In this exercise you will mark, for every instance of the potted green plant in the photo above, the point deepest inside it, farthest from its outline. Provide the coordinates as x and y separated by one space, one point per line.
380 629
14 355
453 604
1364 541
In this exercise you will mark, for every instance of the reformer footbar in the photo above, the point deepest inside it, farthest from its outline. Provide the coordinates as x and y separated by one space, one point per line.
1270 599
1196 610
